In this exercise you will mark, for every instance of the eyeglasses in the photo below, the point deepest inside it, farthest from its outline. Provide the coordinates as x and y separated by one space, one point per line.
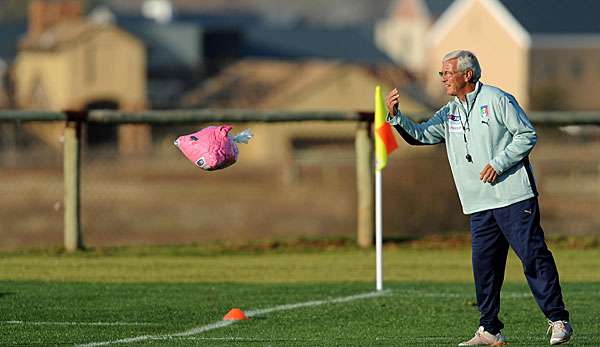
448 74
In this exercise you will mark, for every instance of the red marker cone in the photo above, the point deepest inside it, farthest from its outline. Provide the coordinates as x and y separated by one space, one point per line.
235 314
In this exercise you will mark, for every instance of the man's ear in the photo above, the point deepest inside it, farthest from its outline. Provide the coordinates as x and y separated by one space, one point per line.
469 75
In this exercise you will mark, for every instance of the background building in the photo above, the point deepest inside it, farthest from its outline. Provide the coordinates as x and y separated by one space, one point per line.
403 32
68 62
545 53
309 85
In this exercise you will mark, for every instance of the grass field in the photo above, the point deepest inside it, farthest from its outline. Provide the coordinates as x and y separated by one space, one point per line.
310 297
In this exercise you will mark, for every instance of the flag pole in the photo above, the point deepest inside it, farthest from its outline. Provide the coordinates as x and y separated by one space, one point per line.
385 143
378 232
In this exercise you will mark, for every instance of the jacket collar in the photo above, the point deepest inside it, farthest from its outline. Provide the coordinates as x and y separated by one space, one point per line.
472 95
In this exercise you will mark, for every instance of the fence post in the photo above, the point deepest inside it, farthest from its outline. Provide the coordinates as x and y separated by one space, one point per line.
364 184
71 174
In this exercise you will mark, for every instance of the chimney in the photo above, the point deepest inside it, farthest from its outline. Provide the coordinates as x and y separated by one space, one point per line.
43 14
70 9
37 17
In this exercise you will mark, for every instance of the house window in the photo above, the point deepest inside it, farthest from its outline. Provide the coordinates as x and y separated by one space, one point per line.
549 70
576 67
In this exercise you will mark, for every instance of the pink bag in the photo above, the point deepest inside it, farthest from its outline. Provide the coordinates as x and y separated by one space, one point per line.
212 148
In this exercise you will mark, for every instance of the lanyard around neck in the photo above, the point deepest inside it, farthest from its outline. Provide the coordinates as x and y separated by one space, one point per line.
465 125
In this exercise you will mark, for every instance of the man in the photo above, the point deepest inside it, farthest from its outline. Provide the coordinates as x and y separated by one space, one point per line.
488 138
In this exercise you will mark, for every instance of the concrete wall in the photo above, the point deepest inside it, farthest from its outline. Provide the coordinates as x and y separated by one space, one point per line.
565 78
402 34
107 65
344 89
404 41
41 81
102 64
110 66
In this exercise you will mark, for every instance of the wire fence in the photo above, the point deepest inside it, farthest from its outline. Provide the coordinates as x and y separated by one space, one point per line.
312 188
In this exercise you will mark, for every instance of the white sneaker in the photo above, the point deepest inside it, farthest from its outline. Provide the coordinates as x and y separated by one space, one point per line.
561 332
483 338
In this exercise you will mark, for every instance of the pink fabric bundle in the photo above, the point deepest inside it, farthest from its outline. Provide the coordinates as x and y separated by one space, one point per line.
212 148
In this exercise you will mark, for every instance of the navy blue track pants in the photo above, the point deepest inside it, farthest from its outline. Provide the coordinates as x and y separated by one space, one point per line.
517 226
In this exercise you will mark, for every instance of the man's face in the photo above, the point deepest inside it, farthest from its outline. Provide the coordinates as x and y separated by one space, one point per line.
453 80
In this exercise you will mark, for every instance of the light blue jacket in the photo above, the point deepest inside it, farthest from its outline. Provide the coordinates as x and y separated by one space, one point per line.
495 131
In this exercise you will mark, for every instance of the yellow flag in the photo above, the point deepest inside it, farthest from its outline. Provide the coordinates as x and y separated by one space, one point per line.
385 142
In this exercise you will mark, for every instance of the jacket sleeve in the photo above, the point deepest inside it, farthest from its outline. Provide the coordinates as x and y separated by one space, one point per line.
523 135
430 132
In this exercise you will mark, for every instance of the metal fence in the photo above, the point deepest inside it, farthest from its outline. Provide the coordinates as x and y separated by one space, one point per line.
46 188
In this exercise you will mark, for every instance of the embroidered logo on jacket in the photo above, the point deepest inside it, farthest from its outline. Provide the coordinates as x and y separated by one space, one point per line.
484 111
454 124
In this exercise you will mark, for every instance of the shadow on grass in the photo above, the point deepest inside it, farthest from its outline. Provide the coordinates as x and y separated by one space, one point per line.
3 294
451 240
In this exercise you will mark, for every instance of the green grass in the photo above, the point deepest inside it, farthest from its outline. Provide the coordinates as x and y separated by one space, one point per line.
62 300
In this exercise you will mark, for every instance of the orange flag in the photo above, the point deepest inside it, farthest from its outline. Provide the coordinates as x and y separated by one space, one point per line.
385 142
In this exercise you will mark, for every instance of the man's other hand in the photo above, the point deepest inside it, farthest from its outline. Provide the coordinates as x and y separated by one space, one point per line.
488 174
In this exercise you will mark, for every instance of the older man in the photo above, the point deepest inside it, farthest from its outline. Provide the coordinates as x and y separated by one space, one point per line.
488 138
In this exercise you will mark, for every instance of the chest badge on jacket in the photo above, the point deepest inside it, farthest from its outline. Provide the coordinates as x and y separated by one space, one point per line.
484 111
454 124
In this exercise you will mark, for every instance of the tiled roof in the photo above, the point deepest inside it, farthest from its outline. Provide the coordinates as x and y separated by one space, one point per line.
437 7
271 84
169 45
354 44
261 39
10 34
556 16
59 34
248 83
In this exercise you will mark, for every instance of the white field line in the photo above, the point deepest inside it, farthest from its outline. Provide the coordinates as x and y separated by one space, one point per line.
20 322
253 339
510 295
224 323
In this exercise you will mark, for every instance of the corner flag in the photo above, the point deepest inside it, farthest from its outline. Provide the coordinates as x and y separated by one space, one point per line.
385 142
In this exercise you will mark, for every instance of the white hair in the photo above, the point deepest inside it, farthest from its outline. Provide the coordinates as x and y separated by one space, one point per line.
466 60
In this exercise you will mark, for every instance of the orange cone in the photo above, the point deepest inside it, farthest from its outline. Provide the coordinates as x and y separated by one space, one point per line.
235 314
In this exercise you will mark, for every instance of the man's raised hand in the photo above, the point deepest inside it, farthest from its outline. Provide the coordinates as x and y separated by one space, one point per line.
391 101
